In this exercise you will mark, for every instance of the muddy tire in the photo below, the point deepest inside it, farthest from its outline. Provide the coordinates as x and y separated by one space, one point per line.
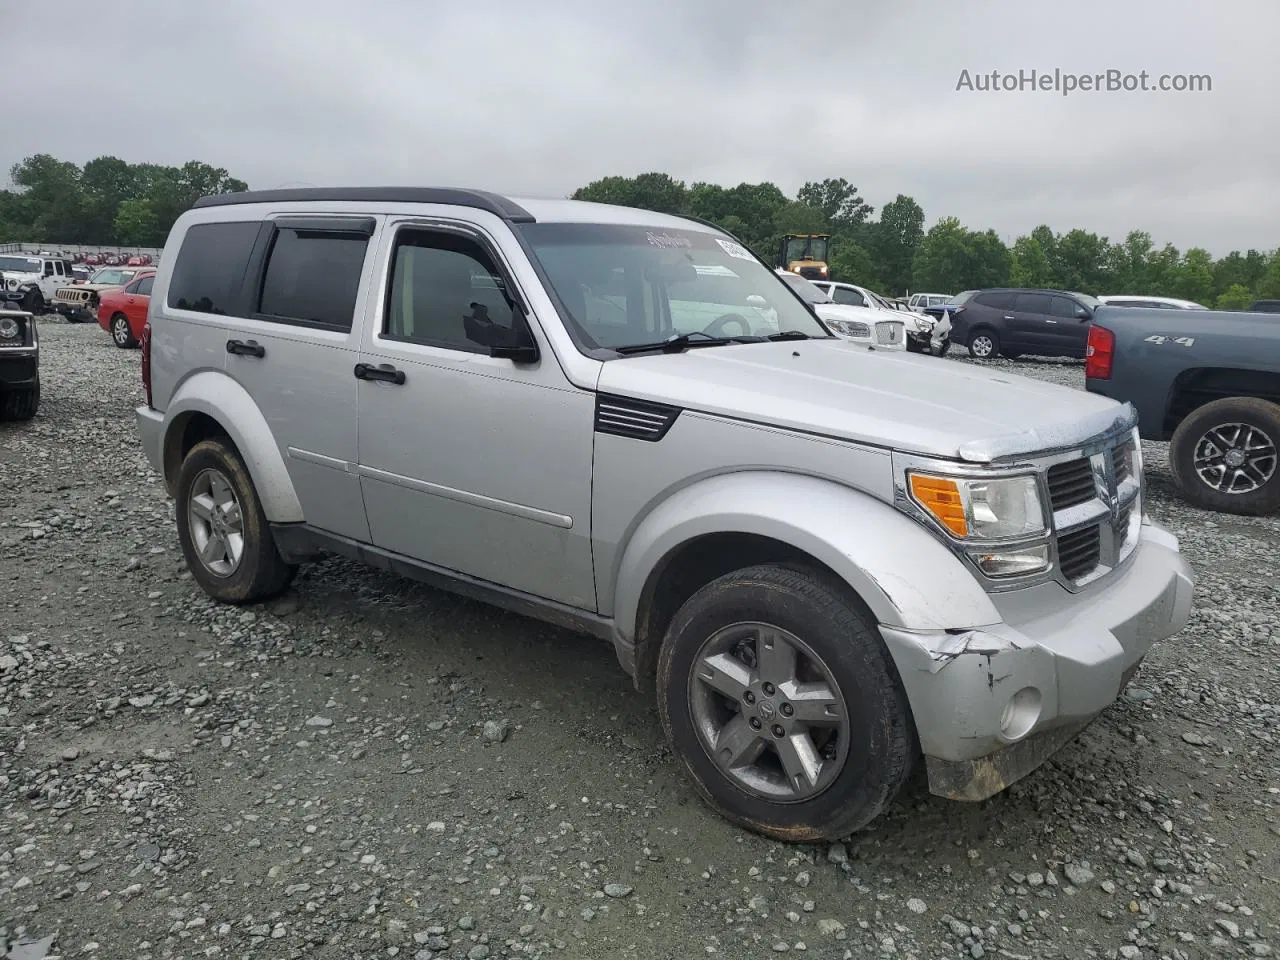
779 696
20 404
224 534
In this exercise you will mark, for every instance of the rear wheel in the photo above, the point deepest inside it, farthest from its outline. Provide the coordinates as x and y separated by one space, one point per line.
984 344
223 531
120 332
784 705
1224 456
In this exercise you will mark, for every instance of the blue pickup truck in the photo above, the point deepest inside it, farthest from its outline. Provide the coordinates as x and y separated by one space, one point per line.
1208 381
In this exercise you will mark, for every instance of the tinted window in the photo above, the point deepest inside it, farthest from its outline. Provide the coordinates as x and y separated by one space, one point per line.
210 267
1032 303
1062 307
1001 301
438 280
143 286
851 297
313 277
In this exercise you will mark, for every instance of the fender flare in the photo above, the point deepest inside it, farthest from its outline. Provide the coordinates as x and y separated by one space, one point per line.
907 577
223 399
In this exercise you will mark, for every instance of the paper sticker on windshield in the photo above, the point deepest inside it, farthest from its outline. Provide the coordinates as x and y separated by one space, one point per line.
668 241
713 270
735 249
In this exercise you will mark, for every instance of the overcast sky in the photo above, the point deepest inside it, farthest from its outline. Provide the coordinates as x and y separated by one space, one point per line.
541 96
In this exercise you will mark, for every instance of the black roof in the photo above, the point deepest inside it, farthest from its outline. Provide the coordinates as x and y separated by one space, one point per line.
479 199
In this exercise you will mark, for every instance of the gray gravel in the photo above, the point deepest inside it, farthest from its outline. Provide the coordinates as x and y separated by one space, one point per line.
367 768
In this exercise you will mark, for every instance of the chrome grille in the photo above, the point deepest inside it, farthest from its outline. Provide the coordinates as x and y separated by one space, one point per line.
1080 551
1093 496
1071 483
890 334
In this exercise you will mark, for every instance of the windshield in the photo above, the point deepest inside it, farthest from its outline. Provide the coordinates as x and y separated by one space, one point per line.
624 285
806 248
113 276
19 265
809 292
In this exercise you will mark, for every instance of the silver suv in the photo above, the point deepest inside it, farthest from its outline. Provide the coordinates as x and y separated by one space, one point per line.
824 560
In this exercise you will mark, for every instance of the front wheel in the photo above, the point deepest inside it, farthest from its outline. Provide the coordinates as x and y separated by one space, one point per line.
784 705
33 303
121 334
984 345
1224 456
223 531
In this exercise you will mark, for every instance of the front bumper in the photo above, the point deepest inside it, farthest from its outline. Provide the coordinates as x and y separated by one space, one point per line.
77 312
19 368
992 704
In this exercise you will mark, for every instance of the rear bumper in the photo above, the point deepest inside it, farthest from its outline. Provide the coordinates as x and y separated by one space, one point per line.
150 425
994 703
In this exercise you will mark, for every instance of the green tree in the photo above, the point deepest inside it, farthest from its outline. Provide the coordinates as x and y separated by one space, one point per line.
894 241
136 224
1030 264
1235 297
1269 286
838 201
649 191
951 259
854 264
1193 280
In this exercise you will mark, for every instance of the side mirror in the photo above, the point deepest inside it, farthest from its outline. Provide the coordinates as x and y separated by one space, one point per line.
514 343
1082 313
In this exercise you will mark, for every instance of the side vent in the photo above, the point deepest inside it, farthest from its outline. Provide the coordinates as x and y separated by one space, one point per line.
637 419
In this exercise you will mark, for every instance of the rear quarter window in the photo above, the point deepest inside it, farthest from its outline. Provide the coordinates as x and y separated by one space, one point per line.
312 277
209 269
1000 301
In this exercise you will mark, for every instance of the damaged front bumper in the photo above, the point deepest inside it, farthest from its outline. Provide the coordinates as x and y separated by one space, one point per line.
993 703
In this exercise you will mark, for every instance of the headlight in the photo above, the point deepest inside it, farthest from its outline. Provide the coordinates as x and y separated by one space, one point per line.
9 329
849 328
977 508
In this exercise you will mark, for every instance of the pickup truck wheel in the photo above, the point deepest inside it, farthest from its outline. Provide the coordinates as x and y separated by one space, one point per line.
784 705
120 332
20 404
984 344
223 531
1224 456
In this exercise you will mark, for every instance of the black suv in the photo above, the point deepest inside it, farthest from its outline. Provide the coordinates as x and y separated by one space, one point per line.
1010 322
19 365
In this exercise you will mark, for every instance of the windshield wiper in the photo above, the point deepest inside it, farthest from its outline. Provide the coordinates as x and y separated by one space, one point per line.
789 335
675 343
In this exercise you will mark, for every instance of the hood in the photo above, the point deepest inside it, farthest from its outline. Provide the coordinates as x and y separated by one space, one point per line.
901 401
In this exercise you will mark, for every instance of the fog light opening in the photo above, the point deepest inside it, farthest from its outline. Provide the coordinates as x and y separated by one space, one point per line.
1020 714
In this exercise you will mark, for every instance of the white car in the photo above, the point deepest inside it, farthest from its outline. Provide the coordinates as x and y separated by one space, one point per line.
925 334
1136 300
861 324
918 301
30 281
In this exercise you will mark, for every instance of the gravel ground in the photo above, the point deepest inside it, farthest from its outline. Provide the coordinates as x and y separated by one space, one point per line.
367 768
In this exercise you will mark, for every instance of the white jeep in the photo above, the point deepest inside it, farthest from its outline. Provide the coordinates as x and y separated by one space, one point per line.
29 281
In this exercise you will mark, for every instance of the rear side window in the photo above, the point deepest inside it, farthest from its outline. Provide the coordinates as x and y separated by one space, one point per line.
1032 303
849 297
1001 301
312 277
209 269
143 286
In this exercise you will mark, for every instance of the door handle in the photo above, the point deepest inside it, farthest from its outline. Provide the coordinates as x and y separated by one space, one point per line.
1051 321
384 371
246 348
1007 317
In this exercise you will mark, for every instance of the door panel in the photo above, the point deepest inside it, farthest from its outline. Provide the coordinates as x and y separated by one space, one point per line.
1071 334
470 462
1035 327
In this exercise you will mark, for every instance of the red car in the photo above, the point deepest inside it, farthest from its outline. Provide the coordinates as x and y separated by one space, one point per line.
123 312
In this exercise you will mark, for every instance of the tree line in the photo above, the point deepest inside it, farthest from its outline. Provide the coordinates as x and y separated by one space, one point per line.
893 253
108 201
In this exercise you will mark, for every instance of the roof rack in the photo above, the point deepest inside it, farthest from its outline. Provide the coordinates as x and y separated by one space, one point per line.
478 199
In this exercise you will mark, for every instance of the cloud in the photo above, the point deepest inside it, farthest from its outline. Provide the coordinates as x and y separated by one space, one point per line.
540 98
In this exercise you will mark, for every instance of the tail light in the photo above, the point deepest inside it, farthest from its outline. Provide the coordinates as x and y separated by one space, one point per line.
146 361
1099 354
